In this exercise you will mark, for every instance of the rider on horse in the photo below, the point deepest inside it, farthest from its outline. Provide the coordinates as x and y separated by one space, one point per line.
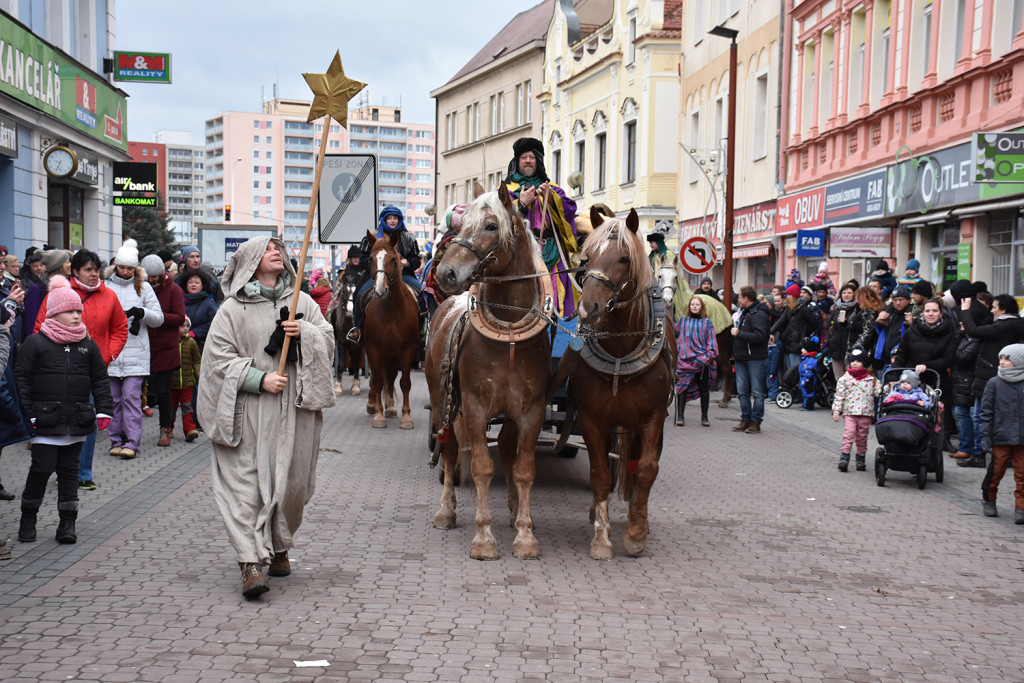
390 220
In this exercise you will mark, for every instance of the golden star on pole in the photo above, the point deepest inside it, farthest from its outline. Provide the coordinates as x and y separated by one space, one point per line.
331 92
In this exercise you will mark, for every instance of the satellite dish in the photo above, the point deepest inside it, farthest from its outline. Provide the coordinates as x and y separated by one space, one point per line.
575 180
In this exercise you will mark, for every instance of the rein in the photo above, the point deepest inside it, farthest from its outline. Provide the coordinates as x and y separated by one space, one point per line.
613 302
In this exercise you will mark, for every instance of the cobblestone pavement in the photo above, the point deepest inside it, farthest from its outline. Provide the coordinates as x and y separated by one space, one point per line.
763 564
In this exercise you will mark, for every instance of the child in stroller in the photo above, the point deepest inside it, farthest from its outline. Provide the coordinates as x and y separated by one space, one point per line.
813 375
907 426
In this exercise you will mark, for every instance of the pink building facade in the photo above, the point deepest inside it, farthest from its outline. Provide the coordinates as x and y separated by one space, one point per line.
889 105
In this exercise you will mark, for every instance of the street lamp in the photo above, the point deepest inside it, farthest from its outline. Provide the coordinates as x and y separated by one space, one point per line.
233 163
730 160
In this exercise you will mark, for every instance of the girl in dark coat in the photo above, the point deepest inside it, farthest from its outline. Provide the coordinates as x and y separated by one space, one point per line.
837 329
798 321
56 371
200 306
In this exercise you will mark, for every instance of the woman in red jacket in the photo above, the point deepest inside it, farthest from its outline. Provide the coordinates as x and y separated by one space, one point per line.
106 324
320 289
164 354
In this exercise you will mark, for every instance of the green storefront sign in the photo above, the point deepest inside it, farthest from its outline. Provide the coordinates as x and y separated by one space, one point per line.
48 80
999 157
963 261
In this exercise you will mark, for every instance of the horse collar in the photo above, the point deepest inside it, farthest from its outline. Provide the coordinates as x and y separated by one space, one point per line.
529 326
641 357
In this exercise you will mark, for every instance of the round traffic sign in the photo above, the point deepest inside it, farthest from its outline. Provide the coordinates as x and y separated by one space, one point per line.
697 255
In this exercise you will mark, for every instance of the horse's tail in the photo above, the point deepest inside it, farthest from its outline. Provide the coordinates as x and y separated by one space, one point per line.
622 445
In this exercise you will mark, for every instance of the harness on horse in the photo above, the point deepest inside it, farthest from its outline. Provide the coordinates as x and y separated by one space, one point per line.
452 401
650 348
529 326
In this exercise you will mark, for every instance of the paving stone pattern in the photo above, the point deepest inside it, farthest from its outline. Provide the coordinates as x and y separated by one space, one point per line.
763 564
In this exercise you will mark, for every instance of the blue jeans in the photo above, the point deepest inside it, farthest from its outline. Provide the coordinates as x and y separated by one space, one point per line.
85 460
774 356
969 443
975 419
791 360
750 376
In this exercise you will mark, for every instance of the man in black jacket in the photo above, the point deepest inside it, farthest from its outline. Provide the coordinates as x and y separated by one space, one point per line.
750 351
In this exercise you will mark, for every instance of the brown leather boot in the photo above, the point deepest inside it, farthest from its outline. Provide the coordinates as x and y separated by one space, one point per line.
742 426
753 427
254 583
280 565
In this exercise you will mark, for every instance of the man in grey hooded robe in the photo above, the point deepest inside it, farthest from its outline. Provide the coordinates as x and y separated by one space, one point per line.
265 427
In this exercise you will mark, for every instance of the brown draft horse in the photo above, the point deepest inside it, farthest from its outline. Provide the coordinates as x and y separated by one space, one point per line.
390 330
616 309
471 333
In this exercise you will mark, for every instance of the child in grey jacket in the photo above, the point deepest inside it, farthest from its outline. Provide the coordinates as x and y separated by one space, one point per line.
1002 429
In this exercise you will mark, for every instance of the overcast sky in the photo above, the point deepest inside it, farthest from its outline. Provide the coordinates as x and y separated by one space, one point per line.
226 53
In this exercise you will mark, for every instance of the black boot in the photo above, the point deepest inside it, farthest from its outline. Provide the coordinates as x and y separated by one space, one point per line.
973 461
705 401
68 513
844 461
680 408
29 513
861 465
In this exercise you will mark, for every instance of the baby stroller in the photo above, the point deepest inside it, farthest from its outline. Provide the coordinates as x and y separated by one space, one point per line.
824 384
908 440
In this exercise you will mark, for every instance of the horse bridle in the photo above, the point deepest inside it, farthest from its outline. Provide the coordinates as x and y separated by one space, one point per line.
389 276
616 290
482 260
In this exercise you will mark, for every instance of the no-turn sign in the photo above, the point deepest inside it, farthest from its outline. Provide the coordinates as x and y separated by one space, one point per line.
697 255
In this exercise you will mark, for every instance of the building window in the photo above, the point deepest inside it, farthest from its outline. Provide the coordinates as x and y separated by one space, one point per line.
697 20
529 101
520 114
255 139
629 141
761 116
631 41
958 29
600 160
580 149
926 24
255 154
694 144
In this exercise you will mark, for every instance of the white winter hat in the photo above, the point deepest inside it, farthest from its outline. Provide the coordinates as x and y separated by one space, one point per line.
128 254
153 265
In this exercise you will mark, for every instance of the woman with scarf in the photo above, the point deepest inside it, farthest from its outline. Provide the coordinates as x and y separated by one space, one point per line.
838 327
105 321
389 221
930 344
696 369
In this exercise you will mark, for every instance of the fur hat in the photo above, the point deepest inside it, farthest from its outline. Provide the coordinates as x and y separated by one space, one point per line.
656 237
911 377
128 254
527 145
823 268
913 264
55 259
857 353
882 265
1015 352
354 252
793 290
61 298
810 344
153 265
923 288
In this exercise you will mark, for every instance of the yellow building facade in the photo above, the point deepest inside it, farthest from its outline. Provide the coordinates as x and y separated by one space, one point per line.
610 106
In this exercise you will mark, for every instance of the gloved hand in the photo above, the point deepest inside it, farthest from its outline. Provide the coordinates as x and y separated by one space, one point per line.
135 325
102 423
273 347
135 312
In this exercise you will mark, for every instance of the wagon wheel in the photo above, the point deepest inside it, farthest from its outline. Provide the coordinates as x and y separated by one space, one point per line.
939 466
784 399
922 475
880 467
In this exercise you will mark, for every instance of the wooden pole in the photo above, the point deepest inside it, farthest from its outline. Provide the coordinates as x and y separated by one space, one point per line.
305 238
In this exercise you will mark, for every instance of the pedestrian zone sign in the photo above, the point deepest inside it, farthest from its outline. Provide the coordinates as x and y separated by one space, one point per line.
698 255
347 200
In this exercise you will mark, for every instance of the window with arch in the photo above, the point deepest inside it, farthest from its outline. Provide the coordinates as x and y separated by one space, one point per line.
555 144
579 138
629 140
600 151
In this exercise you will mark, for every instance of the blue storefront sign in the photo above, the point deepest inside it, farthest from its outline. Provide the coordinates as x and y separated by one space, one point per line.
231 244
855 199
810 243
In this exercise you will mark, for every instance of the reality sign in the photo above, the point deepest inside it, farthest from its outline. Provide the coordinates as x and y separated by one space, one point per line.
142 67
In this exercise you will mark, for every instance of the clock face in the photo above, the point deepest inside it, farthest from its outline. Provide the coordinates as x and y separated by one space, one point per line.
60 162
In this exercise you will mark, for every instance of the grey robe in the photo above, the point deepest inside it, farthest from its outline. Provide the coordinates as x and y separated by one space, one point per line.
265 446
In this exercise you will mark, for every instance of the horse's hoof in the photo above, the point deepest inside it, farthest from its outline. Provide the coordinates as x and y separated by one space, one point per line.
444 520
527 549
634 548
390 412
723 404
379 423
406 423
355 388
601 552
484 551
338 389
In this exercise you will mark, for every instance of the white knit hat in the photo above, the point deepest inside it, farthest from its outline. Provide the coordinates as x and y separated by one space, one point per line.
128 254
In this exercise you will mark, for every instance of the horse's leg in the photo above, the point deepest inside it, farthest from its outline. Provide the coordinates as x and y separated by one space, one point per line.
594 435
356 365
406 384
484 546
508 438
374 404
635 538
389 399
524 472
445 517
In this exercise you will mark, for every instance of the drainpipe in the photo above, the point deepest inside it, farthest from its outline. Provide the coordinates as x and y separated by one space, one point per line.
782 121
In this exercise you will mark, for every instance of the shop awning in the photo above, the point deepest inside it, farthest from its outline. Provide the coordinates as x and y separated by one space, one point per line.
980 209
932 218
751 252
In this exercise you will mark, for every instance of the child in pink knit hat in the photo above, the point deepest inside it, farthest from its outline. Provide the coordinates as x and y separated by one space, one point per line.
56 371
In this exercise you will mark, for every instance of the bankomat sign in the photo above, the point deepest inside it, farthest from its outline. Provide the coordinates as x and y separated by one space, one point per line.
135 178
